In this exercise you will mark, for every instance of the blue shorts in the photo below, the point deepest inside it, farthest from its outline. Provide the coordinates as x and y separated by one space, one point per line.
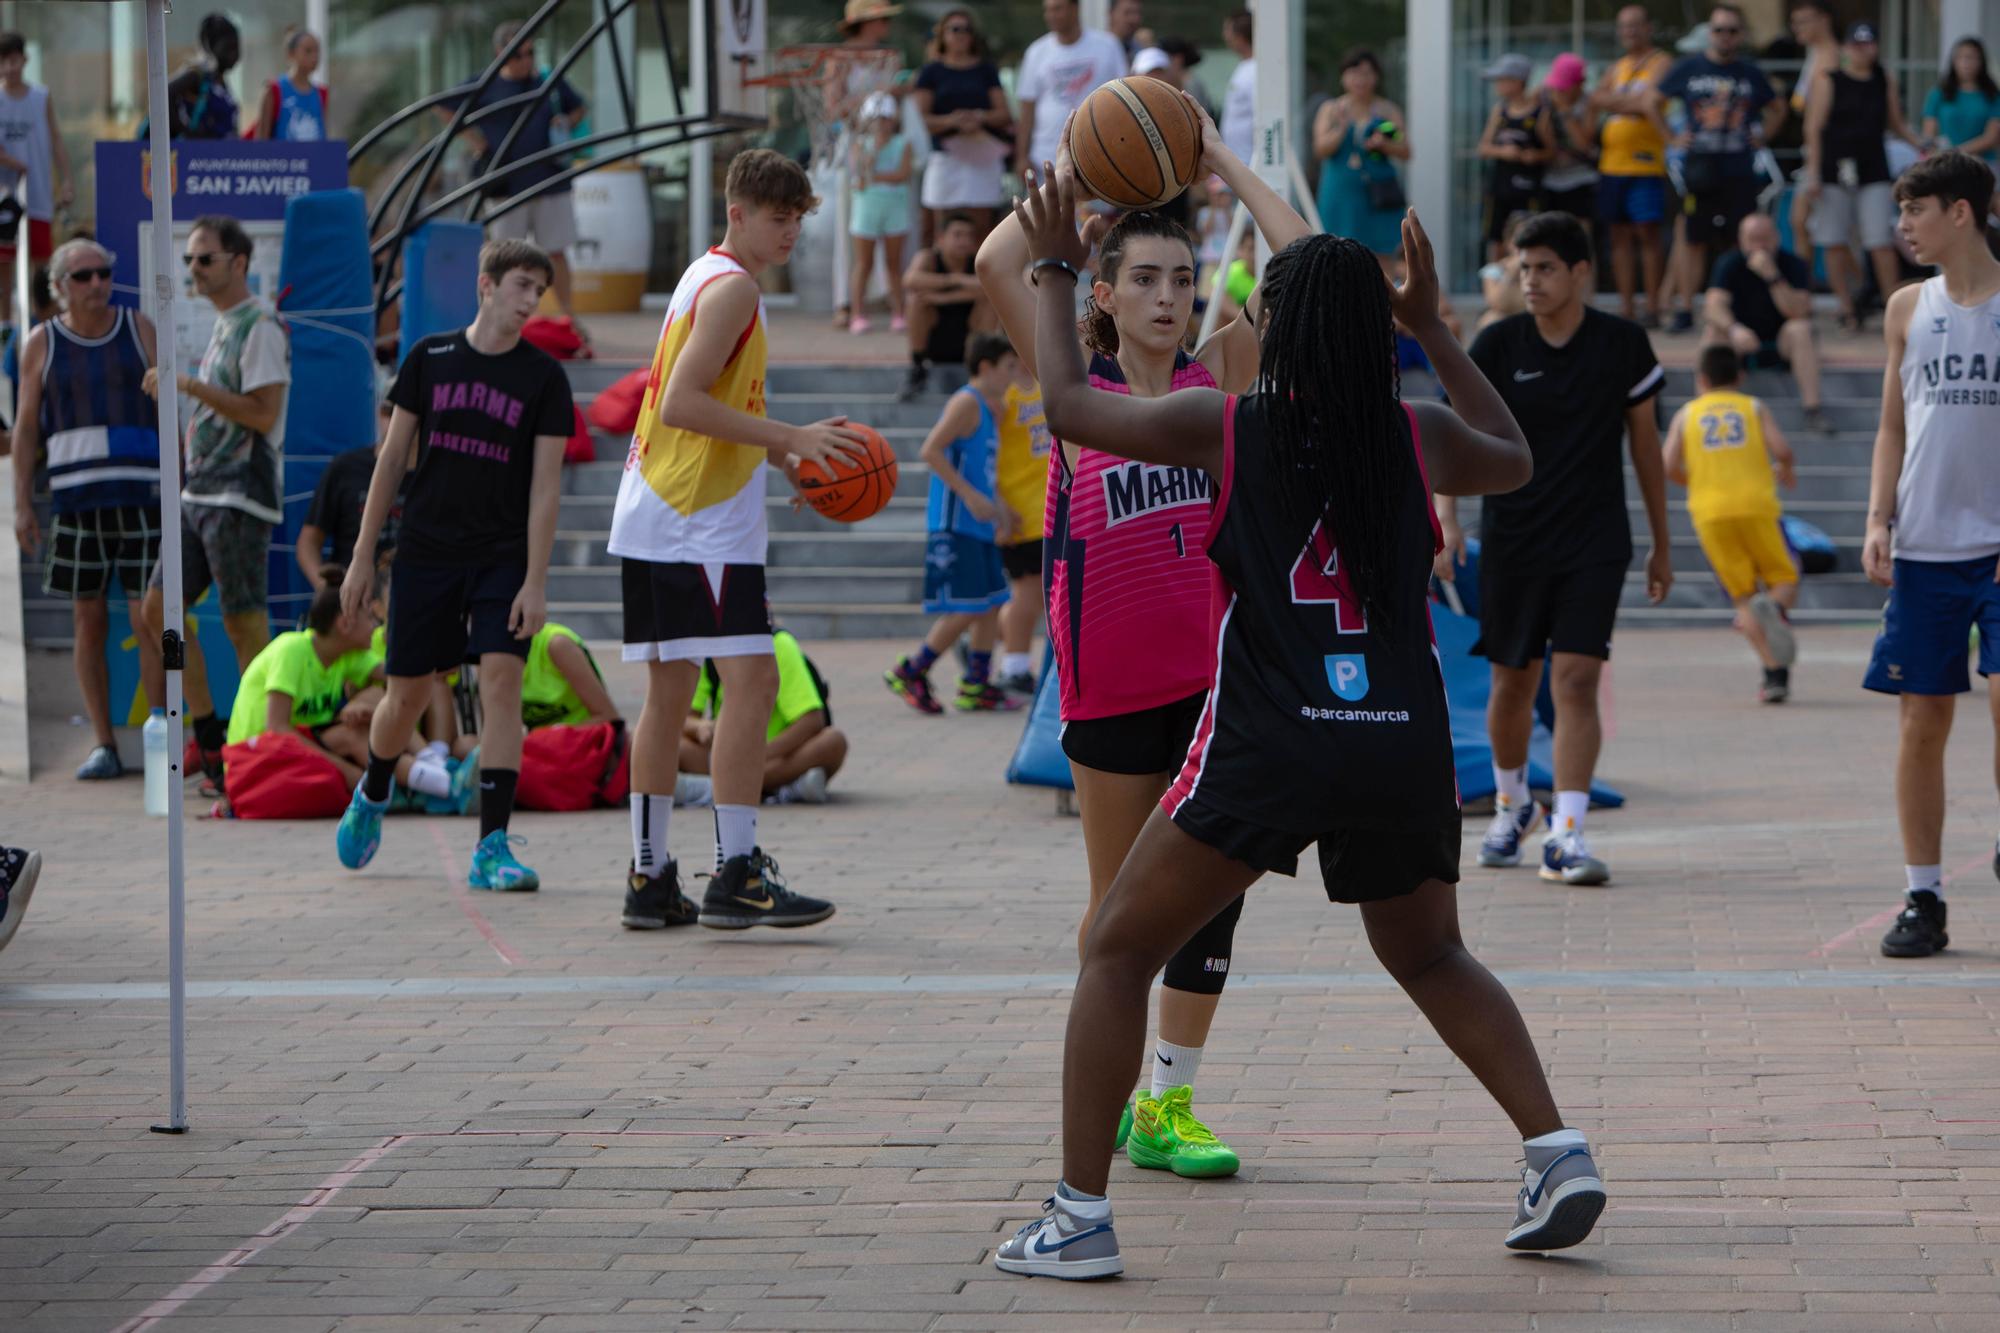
1640 199
962 574
1927 627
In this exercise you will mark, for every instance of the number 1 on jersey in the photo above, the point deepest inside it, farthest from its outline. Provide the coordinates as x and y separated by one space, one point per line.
1180 541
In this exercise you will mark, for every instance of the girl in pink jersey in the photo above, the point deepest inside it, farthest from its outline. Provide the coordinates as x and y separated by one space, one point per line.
1128 594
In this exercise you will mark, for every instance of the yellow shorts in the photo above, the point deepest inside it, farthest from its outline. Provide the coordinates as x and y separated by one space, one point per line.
1746 553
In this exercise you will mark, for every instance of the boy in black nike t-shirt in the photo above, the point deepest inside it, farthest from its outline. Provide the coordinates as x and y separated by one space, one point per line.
485 417
1553 554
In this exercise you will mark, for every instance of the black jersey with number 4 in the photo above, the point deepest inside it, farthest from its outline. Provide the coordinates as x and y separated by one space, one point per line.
1320 717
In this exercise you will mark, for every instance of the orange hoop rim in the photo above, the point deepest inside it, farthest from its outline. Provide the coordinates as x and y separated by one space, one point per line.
816 56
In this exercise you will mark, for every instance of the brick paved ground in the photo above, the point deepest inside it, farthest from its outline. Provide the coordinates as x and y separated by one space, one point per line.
401 1123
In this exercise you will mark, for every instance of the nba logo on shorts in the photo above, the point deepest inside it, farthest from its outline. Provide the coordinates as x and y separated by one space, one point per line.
1348 674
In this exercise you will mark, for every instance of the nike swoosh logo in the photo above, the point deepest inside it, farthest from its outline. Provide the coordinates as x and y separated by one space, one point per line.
1167 1060
1037 1247
1523 376
764 904
1535 1194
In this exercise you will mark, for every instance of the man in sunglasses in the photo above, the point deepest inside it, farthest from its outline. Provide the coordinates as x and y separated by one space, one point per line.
230 497
1731 110
81 399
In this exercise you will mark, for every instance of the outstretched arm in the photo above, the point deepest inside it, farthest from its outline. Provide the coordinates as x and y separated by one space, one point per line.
1473 447
1183 429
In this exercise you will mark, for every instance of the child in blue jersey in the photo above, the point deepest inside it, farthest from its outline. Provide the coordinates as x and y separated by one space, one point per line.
965 584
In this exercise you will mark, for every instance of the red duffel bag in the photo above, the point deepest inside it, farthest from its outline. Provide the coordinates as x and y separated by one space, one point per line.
574 768
278 776
615 410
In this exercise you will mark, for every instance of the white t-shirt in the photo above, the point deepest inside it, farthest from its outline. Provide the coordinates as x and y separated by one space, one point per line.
1056 78
1239 110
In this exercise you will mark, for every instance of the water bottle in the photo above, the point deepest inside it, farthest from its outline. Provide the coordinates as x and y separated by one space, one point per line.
155 733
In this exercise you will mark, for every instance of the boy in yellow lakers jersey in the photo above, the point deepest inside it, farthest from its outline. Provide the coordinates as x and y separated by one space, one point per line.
1729 453
1024 484
690 526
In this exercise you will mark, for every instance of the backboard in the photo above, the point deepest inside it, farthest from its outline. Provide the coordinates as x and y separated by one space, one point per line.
741 56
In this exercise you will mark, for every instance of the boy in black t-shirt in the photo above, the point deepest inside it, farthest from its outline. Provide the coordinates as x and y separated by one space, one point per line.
485 416
1553 554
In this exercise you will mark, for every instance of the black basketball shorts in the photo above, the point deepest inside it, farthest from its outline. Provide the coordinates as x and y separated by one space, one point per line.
1152 740
685 612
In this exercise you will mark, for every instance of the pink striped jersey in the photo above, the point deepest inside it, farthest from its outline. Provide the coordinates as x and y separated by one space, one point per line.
1128 584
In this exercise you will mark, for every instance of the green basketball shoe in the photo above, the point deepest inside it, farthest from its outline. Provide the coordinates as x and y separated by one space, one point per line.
1166 1136
1125 1120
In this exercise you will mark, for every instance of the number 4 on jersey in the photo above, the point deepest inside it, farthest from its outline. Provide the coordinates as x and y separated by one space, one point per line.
1317 580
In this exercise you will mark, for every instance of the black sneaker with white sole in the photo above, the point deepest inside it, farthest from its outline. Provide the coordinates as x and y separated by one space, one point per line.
748 891
19 869
1919 928
656 902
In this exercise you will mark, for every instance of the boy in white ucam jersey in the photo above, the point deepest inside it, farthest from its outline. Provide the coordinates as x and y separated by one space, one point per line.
691 528
1934 509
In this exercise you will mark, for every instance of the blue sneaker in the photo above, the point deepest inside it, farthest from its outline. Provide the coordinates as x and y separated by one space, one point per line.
1566 859
360 831
495 869
1502 844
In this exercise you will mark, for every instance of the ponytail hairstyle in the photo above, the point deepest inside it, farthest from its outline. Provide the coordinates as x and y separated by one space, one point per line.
1332 397
1099 329
324 613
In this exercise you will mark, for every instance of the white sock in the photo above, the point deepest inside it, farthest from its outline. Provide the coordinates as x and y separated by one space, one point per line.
1570 809
1014 664
1088 1207
435 750
429 776
1174 1065
1926 877
650 815
1561 1138
735 830
1511 784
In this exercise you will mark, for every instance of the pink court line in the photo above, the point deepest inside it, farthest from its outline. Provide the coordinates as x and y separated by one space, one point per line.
224 1264
1884 918
463 897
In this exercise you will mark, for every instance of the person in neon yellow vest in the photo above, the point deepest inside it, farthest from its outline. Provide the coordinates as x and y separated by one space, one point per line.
802 747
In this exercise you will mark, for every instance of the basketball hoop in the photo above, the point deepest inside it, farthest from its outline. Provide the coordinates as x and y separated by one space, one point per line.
817 72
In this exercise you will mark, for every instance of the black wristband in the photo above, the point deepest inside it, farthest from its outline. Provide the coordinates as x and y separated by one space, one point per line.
1035 273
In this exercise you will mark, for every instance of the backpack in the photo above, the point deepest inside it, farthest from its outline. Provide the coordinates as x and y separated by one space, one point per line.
574 768
279 776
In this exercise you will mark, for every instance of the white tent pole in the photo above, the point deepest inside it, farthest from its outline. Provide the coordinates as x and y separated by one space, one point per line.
170 557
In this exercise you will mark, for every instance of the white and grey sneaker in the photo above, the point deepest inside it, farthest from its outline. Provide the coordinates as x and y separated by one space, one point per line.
1561 1195
808 788
1770 618
1566 859
1060 1244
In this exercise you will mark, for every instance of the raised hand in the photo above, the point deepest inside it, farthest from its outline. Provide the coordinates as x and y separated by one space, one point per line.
1415 302
1048 219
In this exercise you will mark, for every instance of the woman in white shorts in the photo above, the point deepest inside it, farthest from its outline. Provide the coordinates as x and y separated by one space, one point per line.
958 91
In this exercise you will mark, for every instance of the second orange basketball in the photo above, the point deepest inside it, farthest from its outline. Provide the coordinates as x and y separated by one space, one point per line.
1135 143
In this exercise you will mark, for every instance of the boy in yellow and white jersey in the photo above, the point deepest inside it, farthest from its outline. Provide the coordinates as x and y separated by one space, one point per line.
689 524
1728 451
1023 479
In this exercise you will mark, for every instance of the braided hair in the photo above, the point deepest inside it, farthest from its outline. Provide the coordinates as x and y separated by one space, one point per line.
1098 327
1330 391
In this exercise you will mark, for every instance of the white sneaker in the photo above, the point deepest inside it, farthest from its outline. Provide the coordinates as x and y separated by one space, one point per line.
694 790
808 788
430 776
1060 1244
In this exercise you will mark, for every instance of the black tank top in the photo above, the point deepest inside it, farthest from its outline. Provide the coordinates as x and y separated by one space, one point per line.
1523 177
1854 129
1322 717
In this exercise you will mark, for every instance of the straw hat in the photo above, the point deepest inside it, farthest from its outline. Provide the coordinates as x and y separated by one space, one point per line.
867 11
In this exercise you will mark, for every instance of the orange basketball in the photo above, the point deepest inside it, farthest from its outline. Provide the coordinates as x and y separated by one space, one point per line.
847 491
1135 143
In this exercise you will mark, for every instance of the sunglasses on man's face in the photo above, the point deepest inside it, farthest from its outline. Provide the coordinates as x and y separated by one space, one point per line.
201 260
82 275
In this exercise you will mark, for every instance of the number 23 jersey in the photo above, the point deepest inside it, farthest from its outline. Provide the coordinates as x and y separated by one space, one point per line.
1320 716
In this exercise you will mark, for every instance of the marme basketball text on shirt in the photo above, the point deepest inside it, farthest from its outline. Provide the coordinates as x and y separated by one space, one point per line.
1138 489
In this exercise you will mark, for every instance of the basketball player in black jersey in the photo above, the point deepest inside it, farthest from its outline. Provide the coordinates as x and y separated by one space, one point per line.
1326 720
